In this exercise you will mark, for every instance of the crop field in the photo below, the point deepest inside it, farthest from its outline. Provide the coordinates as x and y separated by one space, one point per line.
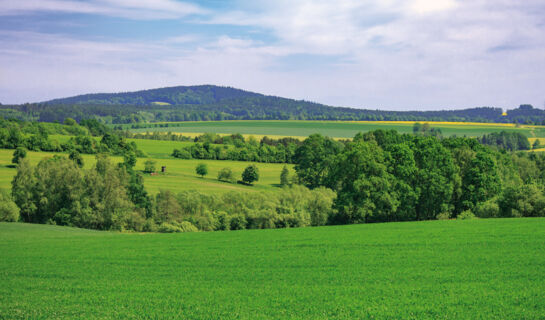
336 129
471 269
180 174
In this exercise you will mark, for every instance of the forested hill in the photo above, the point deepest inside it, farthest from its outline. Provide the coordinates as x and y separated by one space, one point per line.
207 102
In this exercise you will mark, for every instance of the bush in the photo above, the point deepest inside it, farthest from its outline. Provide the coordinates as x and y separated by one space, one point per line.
187 226
181 154
443 216
9 211
168 228
226 174
149 166
488 209
466 215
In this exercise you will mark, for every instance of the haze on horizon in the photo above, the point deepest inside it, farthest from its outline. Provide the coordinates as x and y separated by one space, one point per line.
388 54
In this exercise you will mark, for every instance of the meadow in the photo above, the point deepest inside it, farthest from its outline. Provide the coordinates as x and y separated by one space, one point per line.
180 174
335 129
470 269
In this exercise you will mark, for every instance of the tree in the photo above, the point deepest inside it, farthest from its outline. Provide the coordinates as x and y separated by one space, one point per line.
285 176
77 158
129 159
70 122
18 154
537 144
149 166
202 169
250 174
226 174
312 159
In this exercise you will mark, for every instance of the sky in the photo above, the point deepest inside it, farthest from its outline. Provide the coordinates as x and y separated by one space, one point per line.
387 54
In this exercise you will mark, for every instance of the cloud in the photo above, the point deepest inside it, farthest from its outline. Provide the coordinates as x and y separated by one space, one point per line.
131 9
389 54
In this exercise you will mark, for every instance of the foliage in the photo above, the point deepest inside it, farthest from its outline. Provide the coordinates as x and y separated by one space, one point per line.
511 141
149 166
226 174
9 211
201 169
466 215
284 176
77 158
18 155
250 174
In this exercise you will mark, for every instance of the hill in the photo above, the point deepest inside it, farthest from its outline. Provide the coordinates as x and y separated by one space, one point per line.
208 102
474 269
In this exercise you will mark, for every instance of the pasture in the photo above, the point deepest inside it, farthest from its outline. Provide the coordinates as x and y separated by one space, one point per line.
335 129
180 174
471 269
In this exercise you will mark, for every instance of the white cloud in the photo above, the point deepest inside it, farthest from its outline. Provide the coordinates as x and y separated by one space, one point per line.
132 9
383 54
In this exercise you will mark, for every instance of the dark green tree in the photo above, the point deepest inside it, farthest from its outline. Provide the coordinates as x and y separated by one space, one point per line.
250 174
201 169
18 155
285 176
77 158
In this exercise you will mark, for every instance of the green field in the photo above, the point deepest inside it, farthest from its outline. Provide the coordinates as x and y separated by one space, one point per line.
337 129
180 174
153 148
472 269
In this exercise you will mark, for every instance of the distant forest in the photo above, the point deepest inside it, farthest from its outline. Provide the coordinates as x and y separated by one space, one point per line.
207 102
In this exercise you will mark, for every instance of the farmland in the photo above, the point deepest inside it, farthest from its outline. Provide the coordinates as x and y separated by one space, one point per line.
419 270
336 129
180 174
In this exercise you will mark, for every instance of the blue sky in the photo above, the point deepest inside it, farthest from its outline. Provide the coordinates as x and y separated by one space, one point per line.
387 54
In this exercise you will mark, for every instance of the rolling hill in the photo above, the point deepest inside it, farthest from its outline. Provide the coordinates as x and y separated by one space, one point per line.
209 102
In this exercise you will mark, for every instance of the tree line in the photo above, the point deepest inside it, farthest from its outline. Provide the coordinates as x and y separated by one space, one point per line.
205 103
385 176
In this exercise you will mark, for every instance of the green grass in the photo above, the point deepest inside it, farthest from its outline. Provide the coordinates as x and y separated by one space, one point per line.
180 174
478 269
337 129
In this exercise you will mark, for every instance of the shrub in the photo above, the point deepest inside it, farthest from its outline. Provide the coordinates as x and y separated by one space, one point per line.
149 166
8 209
182 154
488 209
226 174
466 215
168 228
187 226
443 216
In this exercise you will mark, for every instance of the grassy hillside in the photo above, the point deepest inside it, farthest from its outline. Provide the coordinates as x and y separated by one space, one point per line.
180 174
424 270
337 129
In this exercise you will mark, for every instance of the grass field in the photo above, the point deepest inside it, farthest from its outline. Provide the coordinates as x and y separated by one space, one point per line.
180 174
338 129
153 148
472 269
